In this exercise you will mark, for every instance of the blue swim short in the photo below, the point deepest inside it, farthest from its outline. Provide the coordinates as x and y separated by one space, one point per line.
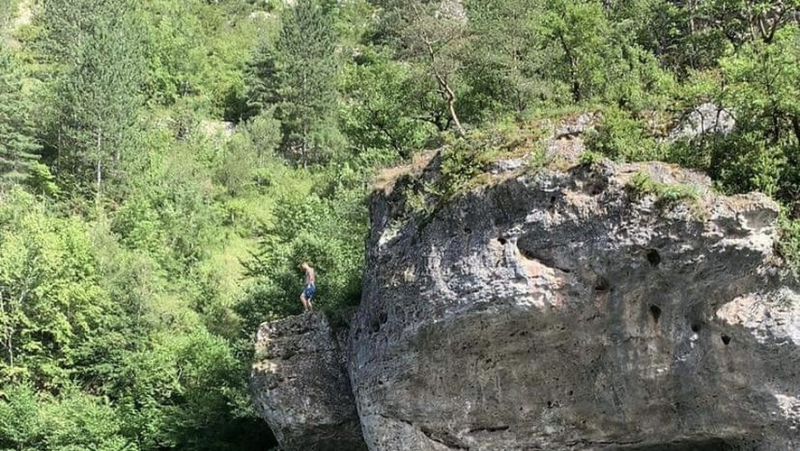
310 291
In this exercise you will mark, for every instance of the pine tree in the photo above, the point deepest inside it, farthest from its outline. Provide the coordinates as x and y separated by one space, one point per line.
18 149
299 75
98 94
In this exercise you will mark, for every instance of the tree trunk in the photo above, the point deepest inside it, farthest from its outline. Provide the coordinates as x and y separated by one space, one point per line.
6 332
304 147
99 167
447 92
796 128
692 54
573 76
451 107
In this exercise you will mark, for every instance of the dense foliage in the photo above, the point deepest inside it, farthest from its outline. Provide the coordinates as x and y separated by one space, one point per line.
165 165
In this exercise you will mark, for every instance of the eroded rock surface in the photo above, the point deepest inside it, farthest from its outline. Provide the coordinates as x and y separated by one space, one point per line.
300 386
562 311
707 118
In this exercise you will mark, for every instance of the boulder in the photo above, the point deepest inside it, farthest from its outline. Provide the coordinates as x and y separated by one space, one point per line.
570 310
300 386
624 307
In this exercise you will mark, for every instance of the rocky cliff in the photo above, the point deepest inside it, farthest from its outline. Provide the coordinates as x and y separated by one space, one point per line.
301 388
569 309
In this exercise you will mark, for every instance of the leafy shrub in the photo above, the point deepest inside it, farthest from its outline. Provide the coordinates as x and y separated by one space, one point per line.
539 158
237 168
623 138
789 243
461 163
590 158
72 421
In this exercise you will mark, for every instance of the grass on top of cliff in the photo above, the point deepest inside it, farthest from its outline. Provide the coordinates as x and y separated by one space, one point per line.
465 164
465 159
641 184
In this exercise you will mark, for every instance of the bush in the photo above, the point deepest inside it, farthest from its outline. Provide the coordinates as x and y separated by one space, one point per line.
789 243
71 422
590 158
622 138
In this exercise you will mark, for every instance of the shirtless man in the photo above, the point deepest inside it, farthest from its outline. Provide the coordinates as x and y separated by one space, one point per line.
310 289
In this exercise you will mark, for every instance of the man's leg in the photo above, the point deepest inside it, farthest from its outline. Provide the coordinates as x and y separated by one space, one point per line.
310 305
304 301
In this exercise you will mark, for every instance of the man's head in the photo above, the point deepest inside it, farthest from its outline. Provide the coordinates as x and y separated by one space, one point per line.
304 266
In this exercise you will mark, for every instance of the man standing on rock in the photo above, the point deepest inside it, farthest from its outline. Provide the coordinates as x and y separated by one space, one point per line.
310 289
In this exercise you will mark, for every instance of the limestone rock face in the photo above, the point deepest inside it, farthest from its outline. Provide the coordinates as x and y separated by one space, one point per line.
707 118
565 311
300 386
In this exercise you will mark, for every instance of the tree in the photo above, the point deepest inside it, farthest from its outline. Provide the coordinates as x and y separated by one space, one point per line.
299 76
431 35
50 299
98 91
761 88
580 31
693 35
383 110
18 148
506 61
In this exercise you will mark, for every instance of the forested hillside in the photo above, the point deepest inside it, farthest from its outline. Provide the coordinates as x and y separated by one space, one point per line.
165 165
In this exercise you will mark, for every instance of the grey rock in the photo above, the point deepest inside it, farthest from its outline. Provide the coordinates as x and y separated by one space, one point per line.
707 118
300 386
507 165
575 126
566 142
213 128
452 10
558 311
261 16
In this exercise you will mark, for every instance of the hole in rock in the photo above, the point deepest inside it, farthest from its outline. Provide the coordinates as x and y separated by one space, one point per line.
467 230
596 187
374 327
489 429
695 327
653 257
502 241
601 285
726 339
655 312
376 323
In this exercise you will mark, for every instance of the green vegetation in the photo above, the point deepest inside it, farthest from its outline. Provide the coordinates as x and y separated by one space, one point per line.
589 158
789 245
665 193
19 159
165 165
